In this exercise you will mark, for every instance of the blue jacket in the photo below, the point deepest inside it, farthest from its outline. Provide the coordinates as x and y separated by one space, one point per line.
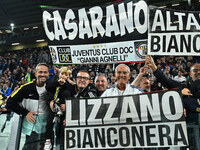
7 92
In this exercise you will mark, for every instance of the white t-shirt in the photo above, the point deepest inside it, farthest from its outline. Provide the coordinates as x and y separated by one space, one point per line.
42 106
114 91
179 79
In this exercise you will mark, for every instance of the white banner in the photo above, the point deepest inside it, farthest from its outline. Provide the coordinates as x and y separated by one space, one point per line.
173 32
135 121
129 136
115 52
177 44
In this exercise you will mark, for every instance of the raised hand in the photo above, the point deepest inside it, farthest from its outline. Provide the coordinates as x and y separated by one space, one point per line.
150 63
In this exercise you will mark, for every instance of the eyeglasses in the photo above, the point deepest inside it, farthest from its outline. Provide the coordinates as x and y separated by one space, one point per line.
84 78
195 70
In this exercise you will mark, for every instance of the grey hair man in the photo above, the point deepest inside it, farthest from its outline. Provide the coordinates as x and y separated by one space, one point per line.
122 87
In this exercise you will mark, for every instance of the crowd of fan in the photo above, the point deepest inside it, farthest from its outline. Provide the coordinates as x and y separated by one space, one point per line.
21 67
17 68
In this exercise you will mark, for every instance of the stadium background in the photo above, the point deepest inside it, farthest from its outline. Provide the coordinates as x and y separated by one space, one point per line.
23 42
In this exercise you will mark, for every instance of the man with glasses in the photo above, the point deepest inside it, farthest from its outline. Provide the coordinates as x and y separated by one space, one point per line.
83 86
195 72
122 87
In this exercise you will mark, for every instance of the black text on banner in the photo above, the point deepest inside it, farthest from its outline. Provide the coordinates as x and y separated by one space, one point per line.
173 32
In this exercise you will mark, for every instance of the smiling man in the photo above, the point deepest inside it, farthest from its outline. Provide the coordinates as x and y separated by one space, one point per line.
83 86
101 83
34 108
122 87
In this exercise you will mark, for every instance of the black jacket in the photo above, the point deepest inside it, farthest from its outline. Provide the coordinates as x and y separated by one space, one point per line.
169 83
66 91
88 92
192 106
27 91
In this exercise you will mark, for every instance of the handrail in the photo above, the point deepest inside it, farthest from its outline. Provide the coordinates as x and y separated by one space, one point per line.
15 135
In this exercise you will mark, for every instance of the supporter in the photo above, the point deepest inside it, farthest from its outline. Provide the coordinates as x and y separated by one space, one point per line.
192 106
134 73
179 77
180 60
6 72
51 72
12 65
180 65
160 67
167 72
108 70
35 108
90 67
25 61
60 87
102 67
110 75
122 87
192 103
29 75
18 73
30 60
6 90
101 83
190 59
138 66
170 62
35 55
5 66
22 82
43 57
155 86
145 84
92 77
96 68
181 68
169 83
113 80
74 72
3 101
188 86
188 66
83 87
